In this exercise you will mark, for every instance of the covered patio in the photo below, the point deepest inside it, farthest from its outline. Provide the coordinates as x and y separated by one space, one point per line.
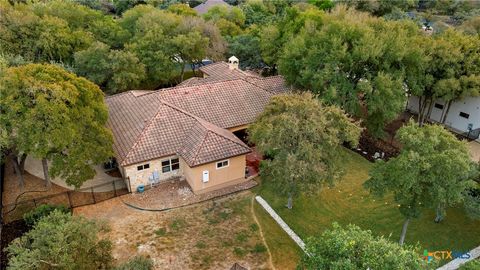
34 167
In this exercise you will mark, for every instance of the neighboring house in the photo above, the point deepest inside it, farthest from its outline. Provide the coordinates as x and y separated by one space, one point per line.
188 131
463 116
204 7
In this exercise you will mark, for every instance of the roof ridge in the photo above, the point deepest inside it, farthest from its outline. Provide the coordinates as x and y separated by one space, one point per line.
142 133
119 94
201 146
265 89
210 130
201 121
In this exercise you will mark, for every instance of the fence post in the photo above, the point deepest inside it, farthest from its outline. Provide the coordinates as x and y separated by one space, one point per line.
93 195
34 202
69 199
114 189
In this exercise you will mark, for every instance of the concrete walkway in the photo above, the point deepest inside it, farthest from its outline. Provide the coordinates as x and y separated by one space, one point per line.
455 264
34 167
280 222
474 148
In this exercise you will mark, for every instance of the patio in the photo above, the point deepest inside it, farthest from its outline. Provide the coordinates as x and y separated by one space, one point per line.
176 193
34 167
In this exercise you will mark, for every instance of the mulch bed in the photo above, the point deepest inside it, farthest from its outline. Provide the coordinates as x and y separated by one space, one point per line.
175 193
10 231
368 146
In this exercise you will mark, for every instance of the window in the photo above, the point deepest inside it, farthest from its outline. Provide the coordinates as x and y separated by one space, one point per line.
222 164
439 106
464 115
170 165
143 167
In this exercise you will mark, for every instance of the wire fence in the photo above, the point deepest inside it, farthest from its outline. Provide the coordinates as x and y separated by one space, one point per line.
70 199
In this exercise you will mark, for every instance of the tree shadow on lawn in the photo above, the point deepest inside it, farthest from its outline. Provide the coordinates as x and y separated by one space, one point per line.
348 202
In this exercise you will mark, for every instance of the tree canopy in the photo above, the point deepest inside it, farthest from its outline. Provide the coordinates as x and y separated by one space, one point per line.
62 241
303 137
353 60
352 248
433 170
54 115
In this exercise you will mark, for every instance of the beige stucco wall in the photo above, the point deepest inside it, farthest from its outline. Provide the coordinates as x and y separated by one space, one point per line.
237 128
141 177
218 178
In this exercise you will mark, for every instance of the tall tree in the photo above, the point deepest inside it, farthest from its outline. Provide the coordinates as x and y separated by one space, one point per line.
61 241
54 115
247 48
113 70
304 139
189 48
450 71
338 57
433 170
352 248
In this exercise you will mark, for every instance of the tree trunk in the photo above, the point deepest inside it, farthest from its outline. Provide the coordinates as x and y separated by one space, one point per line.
404 231
183 72
22 163
290 201
45 173
18 170
430 106
193 69
440 213
444 118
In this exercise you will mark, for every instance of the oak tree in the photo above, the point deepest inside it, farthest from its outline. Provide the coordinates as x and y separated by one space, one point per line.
433 170
304 138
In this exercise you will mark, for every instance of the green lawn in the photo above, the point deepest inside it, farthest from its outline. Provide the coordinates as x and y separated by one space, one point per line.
348 202
285 252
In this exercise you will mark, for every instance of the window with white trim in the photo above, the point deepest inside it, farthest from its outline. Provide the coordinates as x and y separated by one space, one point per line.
143 167
169 165
222 164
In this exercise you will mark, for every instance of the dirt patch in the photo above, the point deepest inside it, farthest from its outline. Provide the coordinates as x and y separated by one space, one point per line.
34 186
176 193
210 235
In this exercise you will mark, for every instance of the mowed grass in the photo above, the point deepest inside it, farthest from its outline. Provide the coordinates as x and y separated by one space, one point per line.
285 253
348 202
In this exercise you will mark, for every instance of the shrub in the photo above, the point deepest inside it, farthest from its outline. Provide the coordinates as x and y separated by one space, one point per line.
42 211
201 245
254 227
353 248
137 263
238 251
472 203
61 240
241 236
259 248
160 232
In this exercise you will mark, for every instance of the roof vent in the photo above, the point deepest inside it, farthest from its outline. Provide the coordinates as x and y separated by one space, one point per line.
233 62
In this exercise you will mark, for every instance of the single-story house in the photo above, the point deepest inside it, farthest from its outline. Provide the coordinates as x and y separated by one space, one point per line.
463 116
188 131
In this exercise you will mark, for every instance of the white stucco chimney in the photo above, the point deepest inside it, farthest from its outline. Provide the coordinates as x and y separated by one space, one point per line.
233 62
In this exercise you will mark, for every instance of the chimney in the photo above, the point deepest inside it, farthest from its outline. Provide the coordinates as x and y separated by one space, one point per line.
233 62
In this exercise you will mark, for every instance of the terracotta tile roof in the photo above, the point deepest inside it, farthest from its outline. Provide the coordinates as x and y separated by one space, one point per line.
189 120
221 71
204 7
226 104
206 143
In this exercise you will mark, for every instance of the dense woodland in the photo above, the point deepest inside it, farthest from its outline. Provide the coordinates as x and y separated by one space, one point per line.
356 59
